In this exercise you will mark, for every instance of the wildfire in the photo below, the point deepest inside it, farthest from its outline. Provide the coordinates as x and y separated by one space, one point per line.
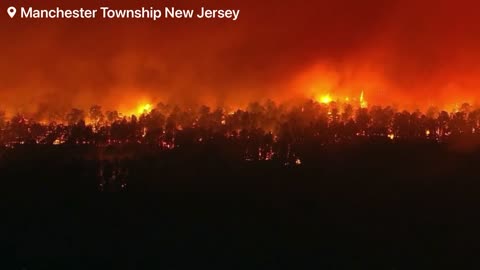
363 102
137 109
325 99
144 108
328 98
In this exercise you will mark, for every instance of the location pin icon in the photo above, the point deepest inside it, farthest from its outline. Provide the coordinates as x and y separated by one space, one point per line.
11 11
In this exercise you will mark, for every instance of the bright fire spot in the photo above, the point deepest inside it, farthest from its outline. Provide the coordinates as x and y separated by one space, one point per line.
363 102
391 136
144 108
325 99
427 132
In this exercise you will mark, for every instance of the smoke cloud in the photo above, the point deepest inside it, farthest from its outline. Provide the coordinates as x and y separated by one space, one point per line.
402 51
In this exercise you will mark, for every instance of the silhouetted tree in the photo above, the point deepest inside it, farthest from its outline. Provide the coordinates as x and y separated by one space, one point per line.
96 115
75 116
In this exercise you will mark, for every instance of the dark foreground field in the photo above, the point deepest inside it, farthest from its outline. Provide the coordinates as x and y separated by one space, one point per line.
375 206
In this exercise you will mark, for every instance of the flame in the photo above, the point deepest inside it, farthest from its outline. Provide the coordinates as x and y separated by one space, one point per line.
325 99
137 109
144 108
328 98
363 102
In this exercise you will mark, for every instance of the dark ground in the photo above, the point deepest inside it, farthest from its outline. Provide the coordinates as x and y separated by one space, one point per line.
376 206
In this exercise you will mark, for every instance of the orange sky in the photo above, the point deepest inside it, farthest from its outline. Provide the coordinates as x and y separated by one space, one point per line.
398 51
